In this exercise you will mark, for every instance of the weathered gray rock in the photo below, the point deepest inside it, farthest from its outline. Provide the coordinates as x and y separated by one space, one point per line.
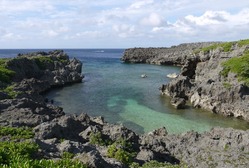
175 55
94 160
66 127
116 132
178 103
201 82
36 73
178 87
220 147
53 67
26 112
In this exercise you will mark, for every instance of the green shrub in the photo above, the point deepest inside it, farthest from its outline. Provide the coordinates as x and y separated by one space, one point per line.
10 152
42 61
16 133
209 48
9 90
122 151
20 154
243 42
239 66
67 155
156 164
96 138
5 73
226 47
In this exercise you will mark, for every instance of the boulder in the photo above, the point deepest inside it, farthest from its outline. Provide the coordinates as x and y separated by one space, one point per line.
178 103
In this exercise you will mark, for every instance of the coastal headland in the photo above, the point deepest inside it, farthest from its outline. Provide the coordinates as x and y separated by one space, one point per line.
214 76
56 139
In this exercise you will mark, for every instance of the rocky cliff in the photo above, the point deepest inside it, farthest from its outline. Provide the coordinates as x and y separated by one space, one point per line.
175 55
202 80
20 101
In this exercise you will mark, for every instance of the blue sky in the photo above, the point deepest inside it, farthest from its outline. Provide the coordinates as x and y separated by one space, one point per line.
120 24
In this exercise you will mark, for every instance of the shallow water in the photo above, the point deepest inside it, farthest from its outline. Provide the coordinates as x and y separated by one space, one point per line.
117 92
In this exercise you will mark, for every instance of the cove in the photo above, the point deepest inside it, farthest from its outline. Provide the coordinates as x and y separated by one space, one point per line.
117 92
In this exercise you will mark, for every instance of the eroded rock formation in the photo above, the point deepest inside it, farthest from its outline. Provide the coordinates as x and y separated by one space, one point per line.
200 80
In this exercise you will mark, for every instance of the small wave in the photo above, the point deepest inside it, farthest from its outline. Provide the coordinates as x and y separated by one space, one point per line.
99 51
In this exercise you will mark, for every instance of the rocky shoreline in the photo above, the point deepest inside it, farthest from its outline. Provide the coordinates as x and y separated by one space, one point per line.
201 81
91 140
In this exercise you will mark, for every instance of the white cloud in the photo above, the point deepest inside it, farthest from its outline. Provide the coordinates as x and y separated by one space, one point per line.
139 4
11 37
209 17
210 26
124 30
152 20
145 22
92 34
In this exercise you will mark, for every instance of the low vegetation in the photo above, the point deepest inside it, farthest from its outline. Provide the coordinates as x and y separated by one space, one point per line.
156 164
227 85
97 139
122 151
239 66
9 90
243 42
22 152
42 61
16 133
227 46
5 73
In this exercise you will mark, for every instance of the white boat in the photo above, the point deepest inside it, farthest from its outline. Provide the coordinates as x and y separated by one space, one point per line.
173 75
143 76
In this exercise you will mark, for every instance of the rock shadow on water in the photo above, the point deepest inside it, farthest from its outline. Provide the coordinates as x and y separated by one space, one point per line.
135 127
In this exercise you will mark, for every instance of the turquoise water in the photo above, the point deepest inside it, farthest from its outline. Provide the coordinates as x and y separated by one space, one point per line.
117 92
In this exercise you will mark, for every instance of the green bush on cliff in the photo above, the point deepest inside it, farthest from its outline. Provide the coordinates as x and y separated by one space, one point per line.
226 47
21 152
243 42
16 133
97 139
9 90
122 151
5 73
156 164
239 66
42 61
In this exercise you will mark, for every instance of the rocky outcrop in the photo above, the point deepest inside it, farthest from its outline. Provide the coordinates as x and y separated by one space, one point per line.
220 147
22 104
205 87
54 67
200 80
175 55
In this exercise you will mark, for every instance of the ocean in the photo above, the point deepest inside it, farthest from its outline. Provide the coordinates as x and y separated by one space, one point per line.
116 91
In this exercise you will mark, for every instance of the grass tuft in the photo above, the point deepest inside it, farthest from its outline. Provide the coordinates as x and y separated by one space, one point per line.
16 133
239 66
5 73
